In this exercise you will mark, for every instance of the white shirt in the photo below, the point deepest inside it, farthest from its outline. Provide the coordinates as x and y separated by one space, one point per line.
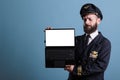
92 36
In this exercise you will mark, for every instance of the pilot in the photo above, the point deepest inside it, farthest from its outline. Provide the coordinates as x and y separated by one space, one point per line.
92 52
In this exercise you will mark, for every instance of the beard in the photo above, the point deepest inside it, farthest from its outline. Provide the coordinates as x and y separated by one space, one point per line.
90 29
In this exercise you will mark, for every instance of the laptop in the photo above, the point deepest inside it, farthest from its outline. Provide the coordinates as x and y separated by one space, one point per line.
59 47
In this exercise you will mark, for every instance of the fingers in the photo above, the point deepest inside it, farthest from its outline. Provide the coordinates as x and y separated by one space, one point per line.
69 68
48 28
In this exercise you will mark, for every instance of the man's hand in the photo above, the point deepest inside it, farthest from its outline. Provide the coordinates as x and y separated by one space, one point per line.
69 68
49 28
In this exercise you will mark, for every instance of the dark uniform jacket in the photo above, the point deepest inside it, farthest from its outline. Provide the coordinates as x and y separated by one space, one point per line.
93 65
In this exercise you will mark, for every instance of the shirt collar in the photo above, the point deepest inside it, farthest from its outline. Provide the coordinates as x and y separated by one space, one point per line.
94 34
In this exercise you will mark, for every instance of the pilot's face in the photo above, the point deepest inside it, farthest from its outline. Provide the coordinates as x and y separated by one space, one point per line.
91 22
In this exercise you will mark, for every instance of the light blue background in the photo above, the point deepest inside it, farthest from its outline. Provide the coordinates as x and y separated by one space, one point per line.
22 24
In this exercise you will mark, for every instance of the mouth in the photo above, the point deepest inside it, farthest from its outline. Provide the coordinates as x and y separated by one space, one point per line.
87 27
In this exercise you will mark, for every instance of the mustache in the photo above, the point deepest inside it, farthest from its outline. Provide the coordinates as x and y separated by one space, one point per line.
85 26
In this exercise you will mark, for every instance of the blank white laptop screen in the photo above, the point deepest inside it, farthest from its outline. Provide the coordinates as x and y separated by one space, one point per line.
60 37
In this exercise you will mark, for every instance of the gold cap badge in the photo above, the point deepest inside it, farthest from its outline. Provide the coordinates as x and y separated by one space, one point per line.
86 7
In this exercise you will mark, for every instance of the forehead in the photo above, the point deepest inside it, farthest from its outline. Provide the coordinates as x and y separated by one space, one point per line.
90 15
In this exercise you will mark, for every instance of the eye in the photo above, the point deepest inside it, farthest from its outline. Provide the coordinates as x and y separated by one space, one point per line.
90 19
84 20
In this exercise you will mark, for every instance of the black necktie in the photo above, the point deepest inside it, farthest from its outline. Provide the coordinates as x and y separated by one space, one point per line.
87 39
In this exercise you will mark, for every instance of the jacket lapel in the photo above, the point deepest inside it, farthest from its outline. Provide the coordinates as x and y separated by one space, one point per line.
94 45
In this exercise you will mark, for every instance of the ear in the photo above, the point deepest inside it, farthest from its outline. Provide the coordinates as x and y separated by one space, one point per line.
98 20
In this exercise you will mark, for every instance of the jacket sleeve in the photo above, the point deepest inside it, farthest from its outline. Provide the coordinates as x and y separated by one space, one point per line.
100 63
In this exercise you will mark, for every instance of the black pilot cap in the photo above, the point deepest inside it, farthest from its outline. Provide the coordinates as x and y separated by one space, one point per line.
90 8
